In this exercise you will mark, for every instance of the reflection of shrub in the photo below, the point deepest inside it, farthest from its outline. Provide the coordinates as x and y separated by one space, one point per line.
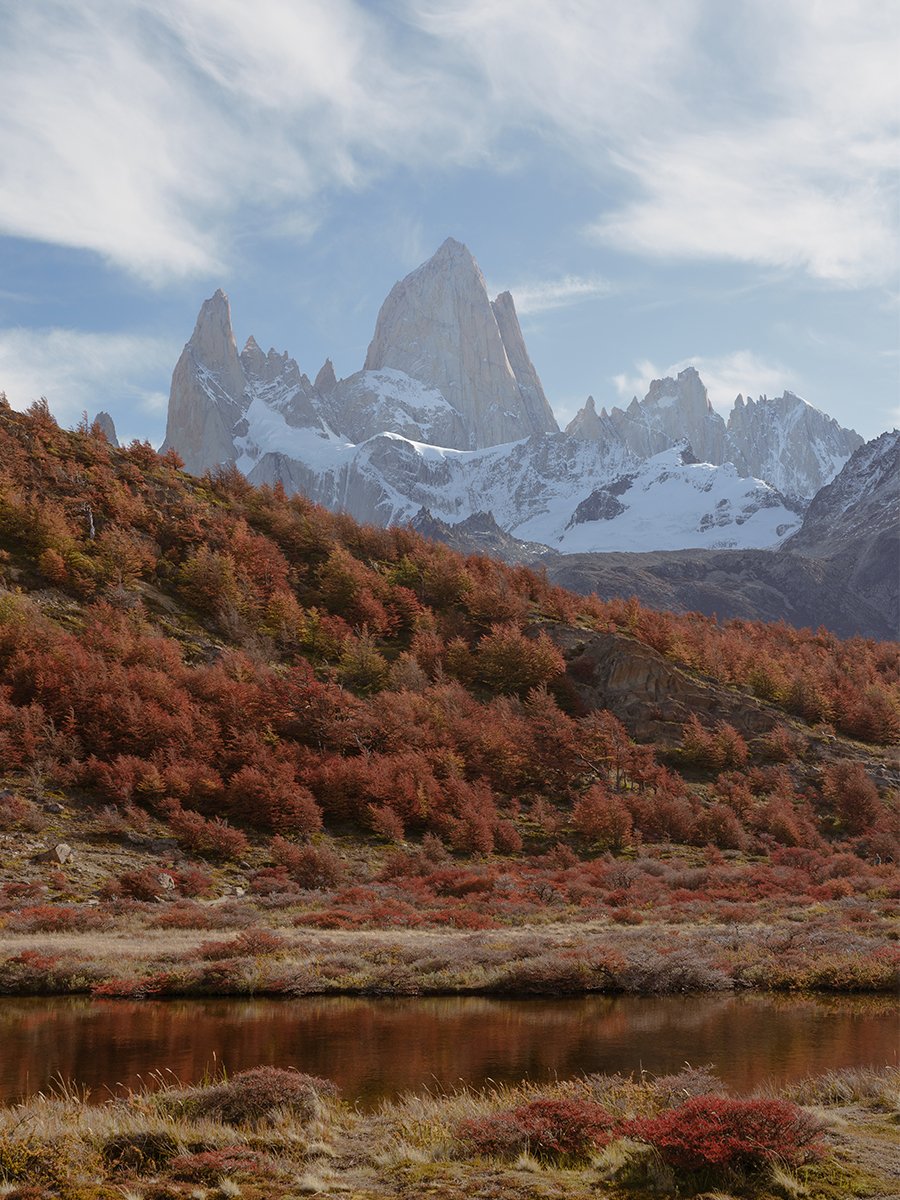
714 1132
548 1129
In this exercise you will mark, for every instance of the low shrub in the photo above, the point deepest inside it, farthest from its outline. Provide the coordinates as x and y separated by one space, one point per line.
141 1150
208 1166
212 839
53 918
718 1134
546 1128
308 866
253 1096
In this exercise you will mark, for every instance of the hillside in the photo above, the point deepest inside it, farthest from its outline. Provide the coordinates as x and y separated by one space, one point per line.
207 685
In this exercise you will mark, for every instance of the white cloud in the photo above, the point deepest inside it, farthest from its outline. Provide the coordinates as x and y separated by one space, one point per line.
805 176
725 376
544 295
80 372
154 132
146 130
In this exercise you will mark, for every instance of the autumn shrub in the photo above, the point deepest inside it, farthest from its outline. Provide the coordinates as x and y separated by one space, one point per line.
269 797
852 795
17 812
510 661
717 1134
214 839
251 942
308 866
145 883
210 1166
549 1129
254 1096
601 817
54 918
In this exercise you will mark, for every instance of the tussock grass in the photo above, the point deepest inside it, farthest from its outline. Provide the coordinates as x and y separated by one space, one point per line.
181 1143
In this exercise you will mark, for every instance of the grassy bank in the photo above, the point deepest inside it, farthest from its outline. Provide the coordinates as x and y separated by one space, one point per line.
271 1135
809 954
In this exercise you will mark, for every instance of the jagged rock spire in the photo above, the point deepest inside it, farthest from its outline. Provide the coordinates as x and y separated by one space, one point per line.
207 395
439 327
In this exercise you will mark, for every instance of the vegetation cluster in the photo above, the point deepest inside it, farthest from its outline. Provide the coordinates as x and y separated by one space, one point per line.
274 1134
207 686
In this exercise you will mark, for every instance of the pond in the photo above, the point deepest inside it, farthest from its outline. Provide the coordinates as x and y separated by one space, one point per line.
374 1049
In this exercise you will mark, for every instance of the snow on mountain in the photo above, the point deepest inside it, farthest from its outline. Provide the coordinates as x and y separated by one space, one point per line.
449 415
673 502
861 505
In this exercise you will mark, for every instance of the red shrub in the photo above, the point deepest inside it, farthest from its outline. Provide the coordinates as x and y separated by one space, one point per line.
50 918
208 1166
271 798
548 1129
599 816
735 1135
309 866
215 838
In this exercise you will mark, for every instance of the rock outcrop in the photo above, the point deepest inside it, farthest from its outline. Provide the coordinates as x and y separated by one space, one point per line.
104 422
787 442
207 400
672 411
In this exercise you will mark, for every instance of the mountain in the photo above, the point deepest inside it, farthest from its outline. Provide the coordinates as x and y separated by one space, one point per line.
448 414
788 443
840 569
439 327
673 409
785 441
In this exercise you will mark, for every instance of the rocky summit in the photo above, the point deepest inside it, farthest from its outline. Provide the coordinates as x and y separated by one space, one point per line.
448 414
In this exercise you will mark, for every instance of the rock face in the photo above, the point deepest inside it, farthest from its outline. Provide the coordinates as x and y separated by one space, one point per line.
439 327
788 443
673 410
650 694
206 400
784 441
104 422
841 569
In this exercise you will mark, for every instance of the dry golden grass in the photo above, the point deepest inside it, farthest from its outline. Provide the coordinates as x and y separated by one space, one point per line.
152 1146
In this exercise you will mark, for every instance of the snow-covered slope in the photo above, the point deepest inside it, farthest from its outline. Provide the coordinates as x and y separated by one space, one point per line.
672 502
783 440
449 415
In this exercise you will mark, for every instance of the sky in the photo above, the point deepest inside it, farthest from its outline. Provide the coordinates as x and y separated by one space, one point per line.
658 182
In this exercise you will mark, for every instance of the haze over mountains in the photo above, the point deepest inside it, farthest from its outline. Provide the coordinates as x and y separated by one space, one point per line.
448 418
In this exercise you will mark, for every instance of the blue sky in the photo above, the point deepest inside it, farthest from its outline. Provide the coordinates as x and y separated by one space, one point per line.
657 182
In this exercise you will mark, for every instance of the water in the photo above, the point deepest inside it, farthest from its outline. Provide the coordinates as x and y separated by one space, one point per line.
375 1049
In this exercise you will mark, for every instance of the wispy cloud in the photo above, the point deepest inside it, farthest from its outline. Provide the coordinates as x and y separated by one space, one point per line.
544 295
80 372
725 376
150 131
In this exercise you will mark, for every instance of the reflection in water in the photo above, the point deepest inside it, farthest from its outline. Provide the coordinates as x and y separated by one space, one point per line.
378 1048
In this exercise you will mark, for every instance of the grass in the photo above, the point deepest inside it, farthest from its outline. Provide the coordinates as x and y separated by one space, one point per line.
186 1144
551 960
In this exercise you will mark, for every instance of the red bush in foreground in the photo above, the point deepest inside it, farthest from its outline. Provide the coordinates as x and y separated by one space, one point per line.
736 1135
551 1129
